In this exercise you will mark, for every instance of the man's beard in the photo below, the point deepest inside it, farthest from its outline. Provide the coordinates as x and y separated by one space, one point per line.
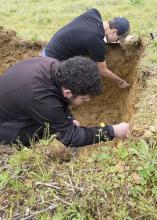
71 99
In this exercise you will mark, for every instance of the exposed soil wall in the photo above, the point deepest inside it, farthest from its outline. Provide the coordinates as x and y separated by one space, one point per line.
114 105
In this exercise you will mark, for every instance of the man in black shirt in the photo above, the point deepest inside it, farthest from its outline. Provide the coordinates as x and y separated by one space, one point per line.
85 36
36 93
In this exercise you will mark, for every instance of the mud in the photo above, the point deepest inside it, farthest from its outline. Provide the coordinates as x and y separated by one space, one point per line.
114 105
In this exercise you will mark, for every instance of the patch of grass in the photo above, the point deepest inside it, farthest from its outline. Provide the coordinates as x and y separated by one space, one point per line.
41 175
117 183
40 19
137 2
23 158
4 178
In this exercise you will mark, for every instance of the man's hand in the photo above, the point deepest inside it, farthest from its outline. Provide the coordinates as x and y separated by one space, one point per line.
123 84
121 130
76 123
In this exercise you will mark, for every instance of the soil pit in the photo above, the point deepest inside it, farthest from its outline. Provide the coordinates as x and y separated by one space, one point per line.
115 104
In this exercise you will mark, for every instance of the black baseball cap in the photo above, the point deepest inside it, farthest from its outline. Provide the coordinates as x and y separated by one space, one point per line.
122 25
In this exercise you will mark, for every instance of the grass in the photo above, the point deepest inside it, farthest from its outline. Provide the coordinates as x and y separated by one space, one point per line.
37 19
106 182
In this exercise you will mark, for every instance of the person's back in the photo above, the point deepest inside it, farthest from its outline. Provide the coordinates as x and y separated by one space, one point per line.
16 85
78 38
21 85
85 36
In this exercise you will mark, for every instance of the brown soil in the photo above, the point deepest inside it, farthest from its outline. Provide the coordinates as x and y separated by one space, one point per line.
115 104
14 49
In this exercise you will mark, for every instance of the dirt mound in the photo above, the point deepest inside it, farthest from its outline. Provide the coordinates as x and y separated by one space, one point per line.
114 105
14 49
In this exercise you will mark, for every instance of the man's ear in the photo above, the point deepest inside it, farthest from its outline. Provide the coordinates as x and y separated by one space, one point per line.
67 93
114 31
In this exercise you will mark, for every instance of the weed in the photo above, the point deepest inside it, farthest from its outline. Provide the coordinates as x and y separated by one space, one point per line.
137 2
4 178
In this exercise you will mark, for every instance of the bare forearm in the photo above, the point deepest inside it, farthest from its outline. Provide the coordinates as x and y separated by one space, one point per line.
105 72
110 75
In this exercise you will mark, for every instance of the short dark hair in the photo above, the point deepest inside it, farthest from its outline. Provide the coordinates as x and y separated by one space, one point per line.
80 75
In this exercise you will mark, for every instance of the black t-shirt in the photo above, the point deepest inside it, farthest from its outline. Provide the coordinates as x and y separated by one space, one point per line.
83 36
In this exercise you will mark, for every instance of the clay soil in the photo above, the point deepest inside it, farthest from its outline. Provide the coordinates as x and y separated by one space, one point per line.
114 105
